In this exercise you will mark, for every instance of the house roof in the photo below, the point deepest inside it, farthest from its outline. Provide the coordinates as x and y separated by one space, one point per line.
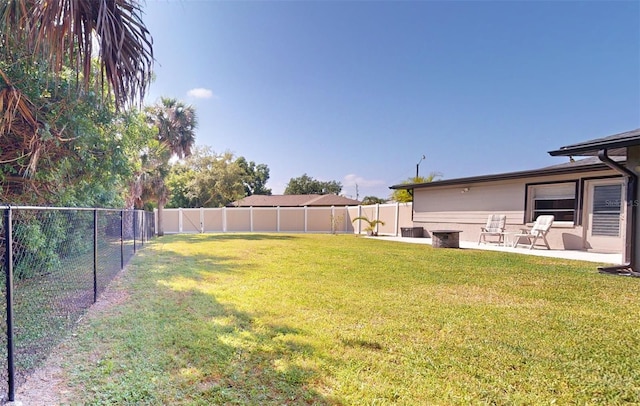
582 165
616 145
294 201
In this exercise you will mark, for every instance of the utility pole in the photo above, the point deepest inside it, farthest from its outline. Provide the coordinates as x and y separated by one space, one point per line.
418 166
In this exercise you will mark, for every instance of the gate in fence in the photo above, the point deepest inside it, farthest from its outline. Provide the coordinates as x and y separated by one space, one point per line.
56 262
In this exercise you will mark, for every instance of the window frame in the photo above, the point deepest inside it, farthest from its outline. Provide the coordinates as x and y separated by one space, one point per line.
530 201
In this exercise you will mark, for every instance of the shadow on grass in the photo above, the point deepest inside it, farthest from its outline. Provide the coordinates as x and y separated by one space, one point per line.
197 252
255 363
232 357
218 353
228 237
168 263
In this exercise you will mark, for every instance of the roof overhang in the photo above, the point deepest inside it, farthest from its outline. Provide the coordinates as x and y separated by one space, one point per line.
504 176
616 145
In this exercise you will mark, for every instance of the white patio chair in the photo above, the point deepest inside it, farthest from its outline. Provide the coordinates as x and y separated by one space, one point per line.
539 230
494 227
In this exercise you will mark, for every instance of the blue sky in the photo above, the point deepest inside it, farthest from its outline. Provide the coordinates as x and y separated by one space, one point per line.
358 91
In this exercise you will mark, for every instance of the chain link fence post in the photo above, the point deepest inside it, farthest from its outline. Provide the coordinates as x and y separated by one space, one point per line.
135 223
121 239
8 227
95 256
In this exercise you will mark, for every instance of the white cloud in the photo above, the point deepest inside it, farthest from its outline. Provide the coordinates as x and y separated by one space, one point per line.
356 187
353 179
200 93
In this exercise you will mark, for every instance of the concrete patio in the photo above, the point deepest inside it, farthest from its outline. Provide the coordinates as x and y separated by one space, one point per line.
566 254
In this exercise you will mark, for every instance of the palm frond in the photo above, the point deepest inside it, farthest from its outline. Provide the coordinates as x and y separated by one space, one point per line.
14 20
64 31
176 123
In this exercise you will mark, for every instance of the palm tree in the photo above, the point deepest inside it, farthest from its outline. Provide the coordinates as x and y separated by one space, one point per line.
403 196
371 224
57 36
176 124
368 200
63 32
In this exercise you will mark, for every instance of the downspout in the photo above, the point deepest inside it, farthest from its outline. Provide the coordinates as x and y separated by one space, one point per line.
630 236
413 204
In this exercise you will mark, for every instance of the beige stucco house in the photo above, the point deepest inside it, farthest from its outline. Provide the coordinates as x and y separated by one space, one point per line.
589 198
625 147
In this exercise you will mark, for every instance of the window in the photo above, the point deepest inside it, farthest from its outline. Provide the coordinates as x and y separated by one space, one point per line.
607 209
557 199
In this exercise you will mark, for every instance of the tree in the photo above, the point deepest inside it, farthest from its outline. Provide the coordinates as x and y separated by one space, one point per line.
150 183
176 124
373 200
57 100
305 185
218 181
256 177
63 32
105 160
206 179
371 224
403 196
79 152
180 177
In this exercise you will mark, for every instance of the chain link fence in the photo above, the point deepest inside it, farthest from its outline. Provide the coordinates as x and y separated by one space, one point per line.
55 263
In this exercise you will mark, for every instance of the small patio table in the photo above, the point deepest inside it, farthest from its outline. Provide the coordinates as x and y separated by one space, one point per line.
508 238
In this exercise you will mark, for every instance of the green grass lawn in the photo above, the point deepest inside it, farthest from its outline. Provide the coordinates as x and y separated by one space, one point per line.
259 319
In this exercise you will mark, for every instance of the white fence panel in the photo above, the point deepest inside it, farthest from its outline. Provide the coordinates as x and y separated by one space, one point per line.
338 220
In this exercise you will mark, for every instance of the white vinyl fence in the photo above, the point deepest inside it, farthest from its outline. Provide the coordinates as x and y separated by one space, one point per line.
335 219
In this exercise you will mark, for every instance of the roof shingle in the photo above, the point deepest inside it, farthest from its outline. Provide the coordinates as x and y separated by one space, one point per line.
294 201
615 144
581 165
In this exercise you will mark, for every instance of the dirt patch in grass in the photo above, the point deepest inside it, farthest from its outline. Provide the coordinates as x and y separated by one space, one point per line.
48 385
